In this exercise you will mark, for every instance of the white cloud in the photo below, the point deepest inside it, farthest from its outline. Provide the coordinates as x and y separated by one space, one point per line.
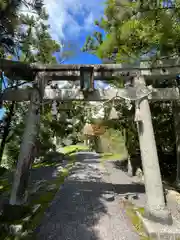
89 21
68 18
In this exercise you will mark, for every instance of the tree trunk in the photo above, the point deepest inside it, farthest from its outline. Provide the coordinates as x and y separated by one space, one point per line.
25 159
176 113
156 208
6 129
98 144
129 165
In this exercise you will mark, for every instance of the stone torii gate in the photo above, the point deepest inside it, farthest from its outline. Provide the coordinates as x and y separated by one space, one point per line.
41 75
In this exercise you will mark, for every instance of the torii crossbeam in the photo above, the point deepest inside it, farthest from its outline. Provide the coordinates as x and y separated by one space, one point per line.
138 75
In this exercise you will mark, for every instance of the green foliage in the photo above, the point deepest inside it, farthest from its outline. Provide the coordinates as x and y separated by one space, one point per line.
4 185
10 20
66 127
137 28
36 42
113 142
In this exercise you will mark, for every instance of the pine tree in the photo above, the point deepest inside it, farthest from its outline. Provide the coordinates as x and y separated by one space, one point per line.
137 28
35 45
10 20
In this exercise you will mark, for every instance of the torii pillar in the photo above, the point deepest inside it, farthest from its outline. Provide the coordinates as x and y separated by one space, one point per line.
26 156
156 209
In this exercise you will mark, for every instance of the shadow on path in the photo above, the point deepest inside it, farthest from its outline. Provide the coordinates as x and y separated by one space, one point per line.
43 173
79 211
85 156
104 187
74 211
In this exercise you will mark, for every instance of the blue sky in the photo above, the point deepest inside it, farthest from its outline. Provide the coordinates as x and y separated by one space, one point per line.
72 21
2 111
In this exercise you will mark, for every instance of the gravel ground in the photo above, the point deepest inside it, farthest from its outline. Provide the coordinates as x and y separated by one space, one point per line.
85 208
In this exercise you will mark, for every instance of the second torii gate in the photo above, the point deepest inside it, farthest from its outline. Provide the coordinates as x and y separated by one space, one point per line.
40 75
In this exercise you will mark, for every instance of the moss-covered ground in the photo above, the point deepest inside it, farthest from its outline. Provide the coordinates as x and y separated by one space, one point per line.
131 210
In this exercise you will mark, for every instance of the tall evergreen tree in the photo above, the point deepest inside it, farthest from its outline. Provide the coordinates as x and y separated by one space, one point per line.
10 20
137 28
35 45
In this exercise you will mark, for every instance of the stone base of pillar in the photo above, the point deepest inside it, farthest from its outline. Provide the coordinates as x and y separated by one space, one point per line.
157 230
159 215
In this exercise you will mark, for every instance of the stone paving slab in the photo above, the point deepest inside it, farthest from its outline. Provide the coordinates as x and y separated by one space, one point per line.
79 211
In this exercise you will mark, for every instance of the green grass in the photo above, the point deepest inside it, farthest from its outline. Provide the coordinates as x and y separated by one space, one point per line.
43 164
75 148
130 210
67 151
113 156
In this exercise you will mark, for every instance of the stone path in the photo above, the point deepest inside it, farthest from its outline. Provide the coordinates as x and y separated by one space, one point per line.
83 209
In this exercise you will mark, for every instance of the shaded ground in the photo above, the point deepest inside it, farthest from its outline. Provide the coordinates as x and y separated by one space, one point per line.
80 210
